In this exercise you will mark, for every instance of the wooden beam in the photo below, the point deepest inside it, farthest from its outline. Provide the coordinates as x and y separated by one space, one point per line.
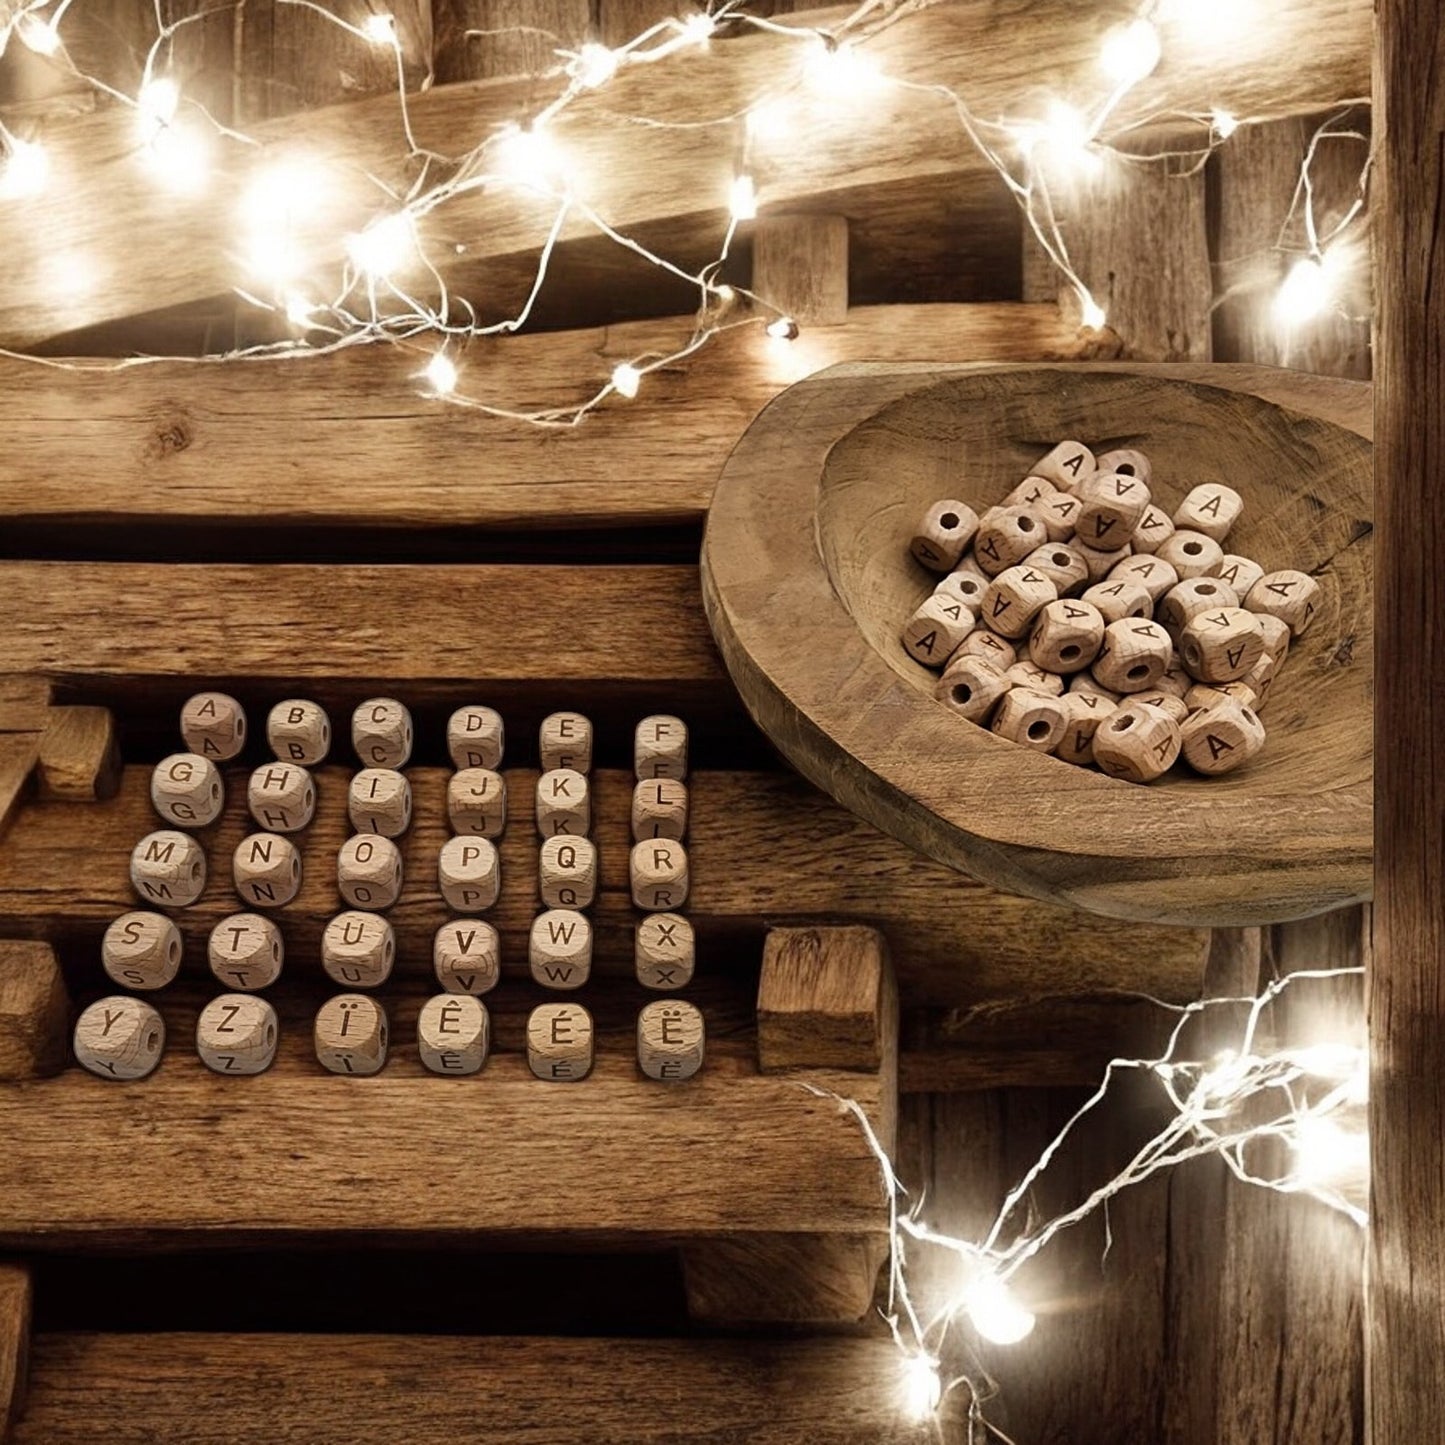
34 1011
800 265
15 1306
1406 1323
79 757
153 250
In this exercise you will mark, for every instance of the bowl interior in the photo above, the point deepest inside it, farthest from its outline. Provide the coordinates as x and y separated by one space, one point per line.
1306 490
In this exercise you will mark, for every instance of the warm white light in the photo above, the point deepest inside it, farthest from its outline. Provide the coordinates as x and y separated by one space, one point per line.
380 29
299 310
1064 137
528 156
770 120
179 154
698 28
922 1389
1091 314
38 35
156 107
279 198
1327 1153
595 65
24 171
783 328
384 247
441 374
744 199
725 294
995 1313
1130 52
1223 124
626 378
841 71
1208 24
1305 292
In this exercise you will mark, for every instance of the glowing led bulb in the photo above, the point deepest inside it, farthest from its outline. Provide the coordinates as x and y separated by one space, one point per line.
384 247
922 1389
299 310
1131 52
380 29
24 171
441 374
1223 124
994 1311
1091 314
626 378
725 294
38 35
595 65
840 71
744 199
770 120
155 106
784 328
529 156
1304 293
698 28
179 155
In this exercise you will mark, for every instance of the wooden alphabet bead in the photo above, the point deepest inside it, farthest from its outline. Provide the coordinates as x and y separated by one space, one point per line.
379 801
469 872
1100 564
1060 515
267 870
119 1038
659 873
453 1034
943 535
969 566
1134 656
1014 598
1176 707
1176 681
1189 598
1126 462
1221 645
368 871
565 741
1065 465
559 1042
281 797
245 952
1260 678
1067 636
567 869
1276 636
936 628
1006 537
1061 564
237 1033
564 803
358 949
299 732
1083 712
987 645
141 950
1033 678
213 725
1192 554
971 687
659 747
1111 505
350 1034
559 949
169 868
659 809
1137 743
1090 686
1117 598
1032 719
1240 573
965 587
1152 532
1211 508
1289 595
476 738
1153 574
1221 737
1241 692
1202 696
467 956
665 951
381 733
1032 492
670 1040
186 790
477 802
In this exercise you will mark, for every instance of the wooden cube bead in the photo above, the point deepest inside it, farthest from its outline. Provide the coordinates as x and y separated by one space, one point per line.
1099 564
1211 508
559 948
467 956
350 1034
453 1034
969 567
1192 554
141 950
477 802
382 733
659 747
469 873
1111 505
186 790
670 1040
1240 573
559 1042
664 951
965 587
1153 530
1065 465
934 631
1260 678
564 803
246 952
659 809
1221 737
1136 743
1032 492
1127 462
358 949
237 1033
169 868
1166 702
119 1038
1289 595
1032 678
987 645
379 801
213 725
1032 719
1090 686
1221 645
659 873
1175 681
299 731
1067 636
368 871
267 870
281 797
564 740
1153 574
971 687
1083 712
1118 598
1014 598
1006 537
1060 515
476 738
567 871
1134 656
1189 598
943 534
1061 564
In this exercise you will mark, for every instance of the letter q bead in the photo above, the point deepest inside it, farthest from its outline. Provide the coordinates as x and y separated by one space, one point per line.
567 873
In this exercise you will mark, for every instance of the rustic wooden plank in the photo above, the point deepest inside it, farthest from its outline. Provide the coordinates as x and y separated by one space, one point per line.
24 703
15 1307
151 254
800 265
18 752
79 758
34 1011
434 1390
483 39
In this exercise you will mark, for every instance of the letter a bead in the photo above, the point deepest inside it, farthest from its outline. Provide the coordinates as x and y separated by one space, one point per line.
1137 743
213 724
943 535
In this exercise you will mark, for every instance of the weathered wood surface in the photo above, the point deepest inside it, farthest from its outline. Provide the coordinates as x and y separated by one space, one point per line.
34 1011
800 264
78 758
15 1303
1406 1321
435 1390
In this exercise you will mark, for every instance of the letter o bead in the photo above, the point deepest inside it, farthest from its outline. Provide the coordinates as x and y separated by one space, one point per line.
368 871
350 1034
564 803
1137 743
168 868
567 872
467 956
281 797
664 951
119 1038
476 738
469 873
659 874
141 950
245 952
453 1034
670 1040
559 1042
381 733
358 949
267 870
559 952
299 732
237 1034
477 802
213 724
186 790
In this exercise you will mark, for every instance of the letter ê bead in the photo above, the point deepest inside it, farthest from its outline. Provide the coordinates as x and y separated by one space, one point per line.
1136 743
453 1034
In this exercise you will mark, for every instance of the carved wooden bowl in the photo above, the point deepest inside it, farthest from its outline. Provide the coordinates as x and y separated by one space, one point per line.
807 583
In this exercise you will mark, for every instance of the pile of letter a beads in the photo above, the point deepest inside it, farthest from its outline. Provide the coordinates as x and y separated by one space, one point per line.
1078 619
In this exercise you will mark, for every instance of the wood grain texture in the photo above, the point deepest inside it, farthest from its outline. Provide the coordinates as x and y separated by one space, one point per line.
15 1307
807 582
485 39
34 1011
135 1389
18 753
800 265
79 758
